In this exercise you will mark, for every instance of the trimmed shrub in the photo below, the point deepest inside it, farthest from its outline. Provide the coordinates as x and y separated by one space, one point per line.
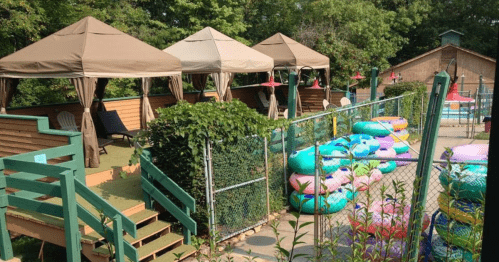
411 106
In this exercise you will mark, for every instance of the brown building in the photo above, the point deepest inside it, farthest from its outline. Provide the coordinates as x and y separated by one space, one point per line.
423 68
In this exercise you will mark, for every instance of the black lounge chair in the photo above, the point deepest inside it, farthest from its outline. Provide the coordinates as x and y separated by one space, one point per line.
114 126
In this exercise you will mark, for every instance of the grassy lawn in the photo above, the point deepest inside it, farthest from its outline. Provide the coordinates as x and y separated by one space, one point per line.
482 136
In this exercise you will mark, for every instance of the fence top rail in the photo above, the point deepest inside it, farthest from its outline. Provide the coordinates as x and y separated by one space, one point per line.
350 108
438 161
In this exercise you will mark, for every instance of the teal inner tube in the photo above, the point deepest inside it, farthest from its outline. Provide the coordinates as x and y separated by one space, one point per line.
336 201
459 234
400 147
372 128
303 161
442 252
470 184
367 140
349 191
387 167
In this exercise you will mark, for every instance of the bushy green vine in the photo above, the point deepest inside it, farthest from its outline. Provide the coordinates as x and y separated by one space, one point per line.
411 105
178 137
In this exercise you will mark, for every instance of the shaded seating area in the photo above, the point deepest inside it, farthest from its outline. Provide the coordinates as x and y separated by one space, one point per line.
89 52
114 126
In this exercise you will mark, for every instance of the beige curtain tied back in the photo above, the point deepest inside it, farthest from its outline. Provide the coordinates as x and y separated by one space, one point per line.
273 111
85 88
222 82
175 85
147 113
7 87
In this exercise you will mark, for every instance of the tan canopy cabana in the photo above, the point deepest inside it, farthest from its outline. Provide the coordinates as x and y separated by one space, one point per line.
88 53
211 52
291 55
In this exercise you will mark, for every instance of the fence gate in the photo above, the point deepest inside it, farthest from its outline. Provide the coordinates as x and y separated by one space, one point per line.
237 186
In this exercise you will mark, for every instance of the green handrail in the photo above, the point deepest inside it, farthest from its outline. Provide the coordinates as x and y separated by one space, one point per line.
151 173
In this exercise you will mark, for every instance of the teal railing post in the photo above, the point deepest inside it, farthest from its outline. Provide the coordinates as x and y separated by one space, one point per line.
71 230
5 243
293 86
374 86
78 157
425 163
146 154
186 231
118 239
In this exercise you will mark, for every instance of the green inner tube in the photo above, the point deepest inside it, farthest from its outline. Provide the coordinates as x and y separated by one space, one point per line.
387 167
442 252
459 234
400 148
372 128
336 201
467 184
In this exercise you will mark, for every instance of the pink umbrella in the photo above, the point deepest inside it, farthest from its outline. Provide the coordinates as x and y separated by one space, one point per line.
358 76
271 83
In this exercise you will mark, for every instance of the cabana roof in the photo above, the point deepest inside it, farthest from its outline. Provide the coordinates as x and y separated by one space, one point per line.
89 48
289 53
209 51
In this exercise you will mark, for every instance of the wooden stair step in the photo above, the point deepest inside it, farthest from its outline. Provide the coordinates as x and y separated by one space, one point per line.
185 250
150 248
137 218
147 231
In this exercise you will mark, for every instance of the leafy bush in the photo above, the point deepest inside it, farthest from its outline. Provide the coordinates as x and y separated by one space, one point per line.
178 137
402 87
411 106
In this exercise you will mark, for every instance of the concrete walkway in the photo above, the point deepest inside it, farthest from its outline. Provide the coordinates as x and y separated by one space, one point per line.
262 244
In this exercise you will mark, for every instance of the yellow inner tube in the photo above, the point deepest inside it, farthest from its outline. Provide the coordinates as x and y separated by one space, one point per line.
403 137
459 210
397 122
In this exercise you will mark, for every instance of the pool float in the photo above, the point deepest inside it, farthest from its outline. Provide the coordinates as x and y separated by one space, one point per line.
403 155
398 123
362 182
459 234
336 200
396 247
386 153
387 167
442 252
303 161
463 153
400 147
470 185
394 221
360 150
385 141
460 210
372 128
368 140
332 183
343 174
402 134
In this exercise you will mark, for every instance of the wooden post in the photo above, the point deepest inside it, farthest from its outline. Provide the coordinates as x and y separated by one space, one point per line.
374 85
187 232
425 163
71 230
293 85
6 252
118 239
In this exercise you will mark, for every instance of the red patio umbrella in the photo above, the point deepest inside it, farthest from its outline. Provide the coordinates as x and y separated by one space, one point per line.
358 76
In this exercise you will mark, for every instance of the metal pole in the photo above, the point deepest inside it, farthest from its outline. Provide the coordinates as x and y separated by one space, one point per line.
398 107
479 95
347 93
462 83
211 186
207 177
468 121
267 178
316 199
293 85
284 164
374 85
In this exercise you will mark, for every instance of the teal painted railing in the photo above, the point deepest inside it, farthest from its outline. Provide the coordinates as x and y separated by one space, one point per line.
151 174
70 182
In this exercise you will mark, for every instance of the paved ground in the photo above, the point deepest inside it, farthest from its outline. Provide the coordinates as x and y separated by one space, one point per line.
262 243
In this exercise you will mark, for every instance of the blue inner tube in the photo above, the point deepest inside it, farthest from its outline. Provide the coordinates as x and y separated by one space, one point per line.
372 128
400 148
454 232
303 162
442 252
336 200
368 140
387 167
471 183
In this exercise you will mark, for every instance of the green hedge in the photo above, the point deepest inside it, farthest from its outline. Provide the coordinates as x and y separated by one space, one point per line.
411 106
178 138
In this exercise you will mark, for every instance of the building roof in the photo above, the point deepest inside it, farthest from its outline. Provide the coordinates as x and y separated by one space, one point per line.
450 31
436 50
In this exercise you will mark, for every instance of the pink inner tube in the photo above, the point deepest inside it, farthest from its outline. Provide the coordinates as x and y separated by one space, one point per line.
331 182
385 141
386 152
392 213
403 155
362 183
469 152
343 174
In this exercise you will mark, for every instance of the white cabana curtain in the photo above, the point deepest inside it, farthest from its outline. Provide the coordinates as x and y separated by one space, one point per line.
85 88
147 113
223 81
